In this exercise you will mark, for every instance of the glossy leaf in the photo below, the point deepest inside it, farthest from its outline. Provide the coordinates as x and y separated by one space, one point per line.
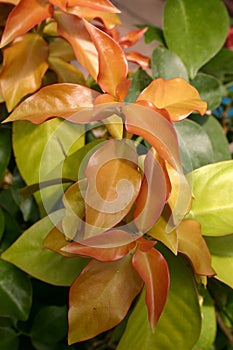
177 96
195 145
72 28
100 297
153 194
220 65
192 244
49 324
32 55
56 240
153 33
66 72
58 100
32 11
113 185
9 338
100 5
212 205
140 80
166 64
109 75
223 266
39 262
153 269
132 37
220 246
15 297
136 57
196 27
5 149
182 304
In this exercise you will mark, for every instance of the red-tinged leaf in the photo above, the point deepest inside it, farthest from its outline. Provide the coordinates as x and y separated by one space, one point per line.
58 100
138 58
113 66
55 241
113 185
100 297
98 5
109 19
177 96
24 17
122 89
153 269
153 194
100 254
23 76
192 244
66 72
72 28
132 38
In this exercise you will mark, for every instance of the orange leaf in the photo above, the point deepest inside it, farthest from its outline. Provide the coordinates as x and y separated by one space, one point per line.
192 244
113 66
113 185
98 5
177 96
23 76
100 297
13 2
153 194
138 58
74 31
131 38
153 269
59 3
55 241
58 100
24 17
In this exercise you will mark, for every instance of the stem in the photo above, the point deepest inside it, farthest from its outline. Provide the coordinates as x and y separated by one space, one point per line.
226 330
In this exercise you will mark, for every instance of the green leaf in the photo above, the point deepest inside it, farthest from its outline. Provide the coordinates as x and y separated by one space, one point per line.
5 148
29 254
166 64
15 292
216 135
140 80
2 223
212 206
9 339
220 65
50 325
209 89
208 328
49 144
182 304
220 246
223 265
153 33
11 231
195 30
195 145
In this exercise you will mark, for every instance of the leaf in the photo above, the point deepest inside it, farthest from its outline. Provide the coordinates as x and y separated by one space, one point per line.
49 324
113 185
5 149
131 38
100 5
60 48
153 194
195 31
153 269
212 205
220 65
49 143
182 304
109 75
39 262
2 224
209 89
192 244
65 71
166 64
15 292
32 11
56 100
23 76
140 80
153 33
177 96
220 246
223 266
100 297
195 145
136 57
73 29
9 338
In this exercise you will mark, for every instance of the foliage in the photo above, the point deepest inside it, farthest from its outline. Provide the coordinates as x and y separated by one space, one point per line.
115 186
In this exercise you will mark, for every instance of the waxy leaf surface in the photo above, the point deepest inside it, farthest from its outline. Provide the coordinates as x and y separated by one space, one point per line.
153 269
109 75
177 96
99 5
23 76
24 17
100 297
